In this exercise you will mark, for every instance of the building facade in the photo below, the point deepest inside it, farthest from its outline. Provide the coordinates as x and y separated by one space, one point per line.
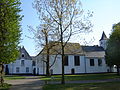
78 59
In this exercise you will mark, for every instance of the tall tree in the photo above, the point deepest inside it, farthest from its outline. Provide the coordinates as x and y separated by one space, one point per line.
65 16
9 32
43 35
113 51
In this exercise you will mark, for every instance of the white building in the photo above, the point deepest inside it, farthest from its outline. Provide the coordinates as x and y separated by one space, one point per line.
78 59
23 64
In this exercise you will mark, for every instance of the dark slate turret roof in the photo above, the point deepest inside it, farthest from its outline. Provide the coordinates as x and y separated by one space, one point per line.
104 37
95 48
26 55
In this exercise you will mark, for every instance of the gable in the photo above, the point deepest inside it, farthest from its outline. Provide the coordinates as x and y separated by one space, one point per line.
24 54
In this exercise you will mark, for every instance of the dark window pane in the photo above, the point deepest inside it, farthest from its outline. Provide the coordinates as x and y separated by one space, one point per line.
66 61
33 63
99 62
22 55
76 60
22 63
91 62
17 69
27 69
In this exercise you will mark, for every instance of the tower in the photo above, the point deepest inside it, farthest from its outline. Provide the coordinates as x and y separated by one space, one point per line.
103 41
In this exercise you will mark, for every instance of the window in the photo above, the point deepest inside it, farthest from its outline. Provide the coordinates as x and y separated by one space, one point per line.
33 63
27 69
91 62
66 61
76 60
37 70
17 69
99 62
22 63
23 55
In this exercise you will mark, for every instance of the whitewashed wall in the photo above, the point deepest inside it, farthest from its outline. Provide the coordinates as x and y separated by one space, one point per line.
40 65
71 65
95 68
57 67
83 68
22 69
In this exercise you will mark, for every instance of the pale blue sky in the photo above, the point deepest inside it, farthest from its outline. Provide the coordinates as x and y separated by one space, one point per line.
106 13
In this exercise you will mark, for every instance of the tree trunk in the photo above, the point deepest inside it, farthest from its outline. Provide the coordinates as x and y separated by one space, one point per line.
118 70
47 67
63 80
47 58
62 52
1 73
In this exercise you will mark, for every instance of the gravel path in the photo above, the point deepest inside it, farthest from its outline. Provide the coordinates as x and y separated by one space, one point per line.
30 83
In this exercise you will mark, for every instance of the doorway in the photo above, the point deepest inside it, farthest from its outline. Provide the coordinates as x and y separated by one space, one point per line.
72 71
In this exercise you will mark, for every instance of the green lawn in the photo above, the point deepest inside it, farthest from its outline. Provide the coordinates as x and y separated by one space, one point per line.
90 86
81 77
13 77
5 86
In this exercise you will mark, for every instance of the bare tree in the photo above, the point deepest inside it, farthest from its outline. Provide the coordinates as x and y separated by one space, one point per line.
65 17
43 35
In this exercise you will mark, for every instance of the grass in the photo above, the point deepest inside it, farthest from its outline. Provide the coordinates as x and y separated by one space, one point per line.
89 86
69 77
81 77
5 86
14 77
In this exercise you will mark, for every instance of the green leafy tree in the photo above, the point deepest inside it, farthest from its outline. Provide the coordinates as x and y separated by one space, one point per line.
9 32
113 51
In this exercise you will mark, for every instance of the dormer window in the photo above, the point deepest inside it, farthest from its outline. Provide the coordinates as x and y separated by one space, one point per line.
23 55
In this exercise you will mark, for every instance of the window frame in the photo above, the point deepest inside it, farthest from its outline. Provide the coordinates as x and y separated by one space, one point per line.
17 69
92 62
77 60
23 55
22 62
99 62
33 63
66 61
27 70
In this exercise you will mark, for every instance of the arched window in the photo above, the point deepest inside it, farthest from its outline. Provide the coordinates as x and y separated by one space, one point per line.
23 55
